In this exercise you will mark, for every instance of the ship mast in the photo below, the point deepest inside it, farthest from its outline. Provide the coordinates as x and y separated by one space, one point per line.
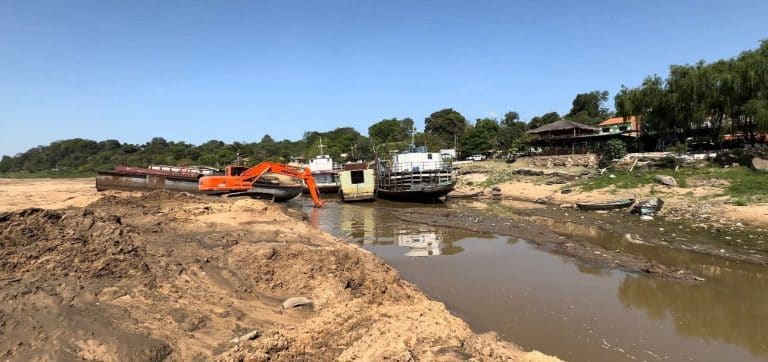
321 146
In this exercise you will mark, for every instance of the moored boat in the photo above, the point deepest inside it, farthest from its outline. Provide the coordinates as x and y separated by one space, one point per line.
417 176
325 172
609 205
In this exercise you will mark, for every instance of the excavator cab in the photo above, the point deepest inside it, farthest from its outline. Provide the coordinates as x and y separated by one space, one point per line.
235 170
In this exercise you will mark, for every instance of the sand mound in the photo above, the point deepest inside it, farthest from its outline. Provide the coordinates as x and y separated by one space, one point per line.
143 199
37 243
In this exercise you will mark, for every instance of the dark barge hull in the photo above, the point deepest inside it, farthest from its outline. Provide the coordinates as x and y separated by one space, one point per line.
139 181
424 194
276 193
134 181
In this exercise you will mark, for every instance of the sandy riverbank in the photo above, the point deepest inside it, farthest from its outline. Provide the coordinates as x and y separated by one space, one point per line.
152 276
695 203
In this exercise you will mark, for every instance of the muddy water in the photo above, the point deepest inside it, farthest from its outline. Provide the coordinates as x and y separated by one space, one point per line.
550 303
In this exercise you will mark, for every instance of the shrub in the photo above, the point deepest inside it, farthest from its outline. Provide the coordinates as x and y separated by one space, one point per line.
612 150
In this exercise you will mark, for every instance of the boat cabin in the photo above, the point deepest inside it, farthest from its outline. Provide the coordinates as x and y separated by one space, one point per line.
357 185
418 162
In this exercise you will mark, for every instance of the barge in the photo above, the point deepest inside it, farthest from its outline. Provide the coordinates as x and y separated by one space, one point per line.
186 179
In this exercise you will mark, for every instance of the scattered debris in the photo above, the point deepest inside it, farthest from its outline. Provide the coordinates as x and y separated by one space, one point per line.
648 207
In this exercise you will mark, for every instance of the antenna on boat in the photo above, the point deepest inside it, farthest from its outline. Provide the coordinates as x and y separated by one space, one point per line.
321 145
413 138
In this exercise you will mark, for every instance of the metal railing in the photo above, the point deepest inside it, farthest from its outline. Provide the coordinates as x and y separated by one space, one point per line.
408 176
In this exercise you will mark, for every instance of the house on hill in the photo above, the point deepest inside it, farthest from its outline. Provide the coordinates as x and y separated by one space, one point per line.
619 125
563 129
568 137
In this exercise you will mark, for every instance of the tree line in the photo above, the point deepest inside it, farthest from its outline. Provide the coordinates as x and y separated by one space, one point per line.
702 102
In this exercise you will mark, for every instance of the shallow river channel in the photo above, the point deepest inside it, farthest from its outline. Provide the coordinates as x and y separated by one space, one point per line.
558 306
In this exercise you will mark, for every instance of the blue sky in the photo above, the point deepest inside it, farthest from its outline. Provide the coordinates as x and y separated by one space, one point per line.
234 71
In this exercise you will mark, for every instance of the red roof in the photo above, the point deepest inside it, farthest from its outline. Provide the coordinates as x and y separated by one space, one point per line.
618 120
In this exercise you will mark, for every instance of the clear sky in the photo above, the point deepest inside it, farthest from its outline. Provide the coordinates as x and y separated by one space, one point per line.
234 71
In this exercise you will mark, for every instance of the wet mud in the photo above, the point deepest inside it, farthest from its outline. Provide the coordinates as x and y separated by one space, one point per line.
482 221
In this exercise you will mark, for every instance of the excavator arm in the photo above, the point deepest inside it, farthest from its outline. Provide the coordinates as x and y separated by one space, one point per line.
251 175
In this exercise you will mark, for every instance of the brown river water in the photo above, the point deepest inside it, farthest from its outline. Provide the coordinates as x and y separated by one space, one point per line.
544 301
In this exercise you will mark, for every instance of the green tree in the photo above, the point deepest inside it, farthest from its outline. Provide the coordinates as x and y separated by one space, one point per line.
546 118
391 130
589 108
480 138
444 127
511 135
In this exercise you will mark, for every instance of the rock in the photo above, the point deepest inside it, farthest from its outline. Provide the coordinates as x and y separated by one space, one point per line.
566 191
759 164
529 172
496 189
567 206
646 217
665 180
246 337
612 176
294 302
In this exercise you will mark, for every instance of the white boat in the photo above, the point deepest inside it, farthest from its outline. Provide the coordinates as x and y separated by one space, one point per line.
325 172
420 244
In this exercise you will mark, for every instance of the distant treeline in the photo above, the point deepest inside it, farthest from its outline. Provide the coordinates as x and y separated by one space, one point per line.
444 129
701 101
82 156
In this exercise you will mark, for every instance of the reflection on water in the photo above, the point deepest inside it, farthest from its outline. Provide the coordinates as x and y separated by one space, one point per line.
363 224
548 302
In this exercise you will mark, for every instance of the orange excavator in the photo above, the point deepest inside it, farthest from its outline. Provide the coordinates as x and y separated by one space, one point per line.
240 180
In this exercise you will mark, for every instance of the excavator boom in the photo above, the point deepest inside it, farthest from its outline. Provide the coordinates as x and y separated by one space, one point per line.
244 181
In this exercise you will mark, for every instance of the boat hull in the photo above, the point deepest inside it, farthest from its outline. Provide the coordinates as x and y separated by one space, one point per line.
276 193
620 204
424 194
115 180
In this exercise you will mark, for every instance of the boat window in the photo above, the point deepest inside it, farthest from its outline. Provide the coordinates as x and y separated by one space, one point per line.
357 177
429 156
